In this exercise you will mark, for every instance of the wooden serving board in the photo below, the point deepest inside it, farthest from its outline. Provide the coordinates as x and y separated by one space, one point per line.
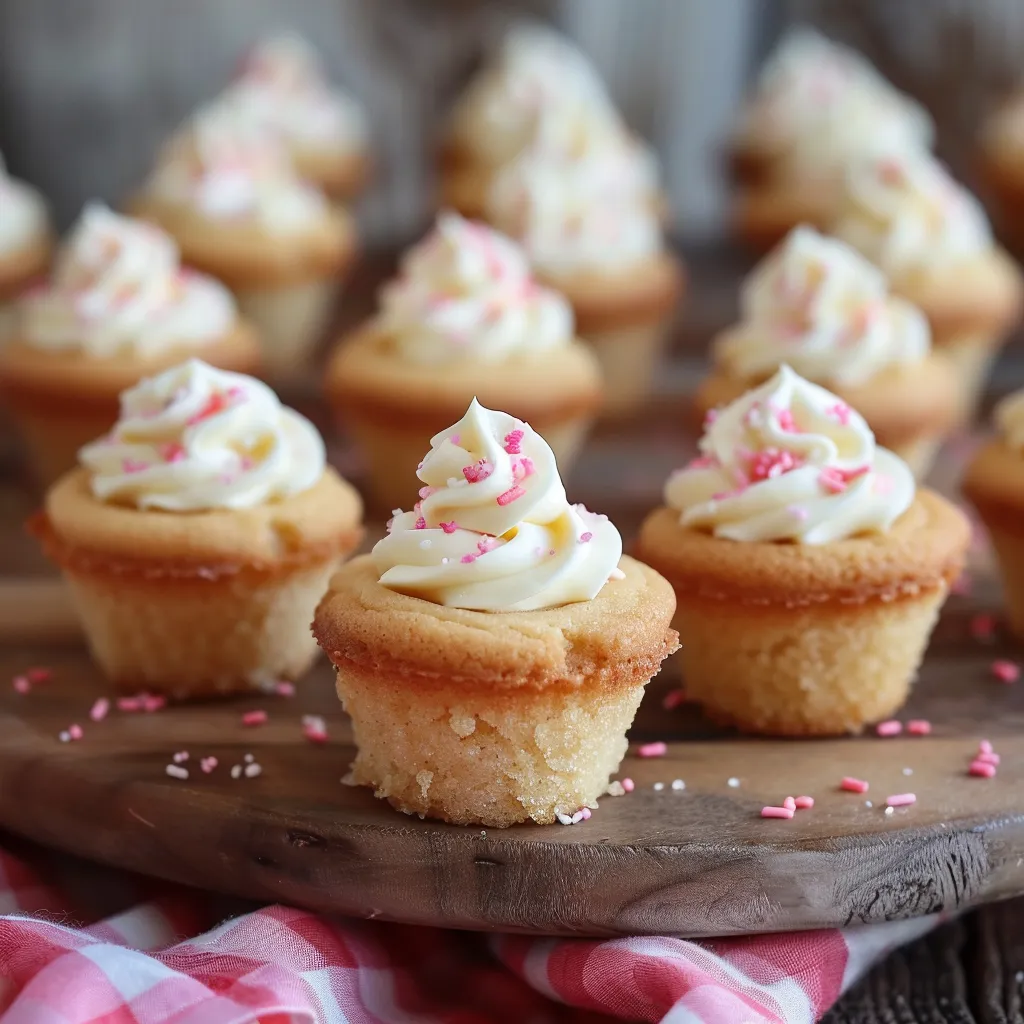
698 861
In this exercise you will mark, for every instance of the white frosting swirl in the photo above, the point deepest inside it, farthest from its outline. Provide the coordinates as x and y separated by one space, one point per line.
282 89
1009 417
904 212
591 211
493 530
23 217
467 292
118 285
534 72
819 306
195 438
790 462
823 103
230 171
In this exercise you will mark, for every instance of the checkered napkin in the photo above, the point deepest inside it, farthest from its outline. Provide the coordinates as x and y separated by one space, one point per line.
164 960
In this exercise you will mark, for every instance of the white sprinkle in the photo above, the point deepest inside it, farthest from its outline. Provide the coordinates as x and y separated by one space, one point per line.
889 810
248 759
444 561
563 818
868 803
236 771
577 817
396 511
734 783
64 736
425 544
659 786
252 770
181 755
908 771
176 771
678 784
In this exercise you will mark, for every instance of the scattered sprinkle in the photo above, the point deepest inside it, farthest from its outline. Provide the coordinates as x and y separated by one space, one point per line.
983 626
253 718
673 699
449 527
314 728
236 771
919 727
74 732
586 813
804 803
985 746
21 684
982 769
586 537
64 736
252 770
852 785
733 783
1005 671
657 749
990 758
207 764
563 819
628 785
901 800
176 771
908 771
284 689
790 803
129 704
659 786
152 702
868 803
777 812
248 759
890 810
99 710
39 674
678 785
181 755
577 817
889 728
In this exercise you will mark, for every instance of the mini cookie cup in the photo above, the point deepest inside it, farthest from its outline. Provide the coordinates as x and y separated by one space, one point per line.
910 408
994 484
199 604
19 270
393 407
492 718
807 640
285 286
60 401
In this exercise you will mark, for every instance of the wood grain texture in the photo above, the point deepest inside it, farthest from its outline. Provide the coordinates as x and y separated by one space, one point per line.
696 862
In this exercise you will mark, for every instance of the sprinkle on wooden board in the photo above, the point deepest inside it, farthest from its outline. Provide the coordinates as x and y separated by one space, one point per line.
1005 671
901 800
656 749
889 728
852 785
777 812
254 718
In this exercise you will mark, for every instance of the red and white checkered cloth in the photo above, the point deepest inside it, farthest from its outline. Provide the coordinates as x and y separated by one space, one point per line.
164 961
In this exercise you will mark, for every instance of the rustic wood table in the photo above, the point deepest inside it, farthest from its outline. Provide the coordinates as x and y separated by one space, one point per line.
971 969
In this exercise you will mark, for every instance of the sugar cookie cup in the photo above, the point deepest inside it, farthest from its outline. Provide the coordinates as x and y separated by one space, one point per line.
806 595
493 649
932 239
817 305
239 212
994 484
118 308
463 319
26 243
195 568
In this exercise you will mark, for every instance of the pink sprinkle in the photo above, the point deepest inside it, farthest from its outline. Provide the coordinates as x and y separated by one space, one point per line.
129 704
786 421
99 709
514 493
486 545
172 452
703 462
777 812
21 684
154 702
468 559
919 727
628 784
477 471
901 800
586 813
586 538
790 803
421 524
513 440
852 785
314 728
75 732
207 764
709 417
1006 671
983 626
284 689
181 755
39 675
836 480
657 749
252 718
523 468
773 462
890 728
982 770
673 699
134 466
991 758
985 747
841 411
798 513
804 803
450 527
426 491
